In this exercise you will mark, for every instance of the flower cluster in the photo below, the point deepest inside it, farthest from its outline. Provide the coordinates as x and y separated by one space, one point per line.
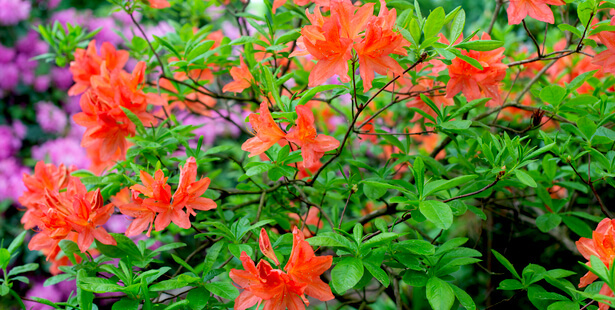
473 82
330 40
152 203
601 245
108 90
60 207
279 289
303 134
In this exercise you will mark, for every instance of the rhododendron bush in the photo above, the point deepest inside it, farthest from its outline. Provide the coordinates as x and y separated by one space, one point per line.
326 154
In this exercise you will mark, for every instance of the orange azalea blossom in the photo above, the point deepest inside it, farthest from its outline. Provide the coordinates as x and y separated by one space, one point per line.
87 64
279 289
64 210
265 245
537 9
159 203
329 40
313 146
242 78
159 4
602 245
380 41
606 59
475 83
46 177
267 132
107 124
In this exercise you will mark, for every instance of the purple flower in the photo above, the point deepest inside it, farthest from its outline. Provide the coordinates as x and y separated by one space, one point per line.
19 129
50 117
68 16
212 127
31 45
71 105
13 11
9 143
41 83
11 184
106 34
61 77
159 30
9 76
6 54
65 151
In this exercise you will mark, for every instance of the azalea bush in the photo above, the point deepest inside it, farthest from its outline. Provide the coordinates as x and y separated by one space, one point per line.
327 153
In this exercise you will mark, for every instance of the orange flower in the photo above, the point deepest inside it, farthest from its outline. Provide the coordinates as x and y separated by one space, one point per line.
46 177
159 4
304 267
606 59
189 191
537 9
107 124
88 215
267 132
313 146
475 83
87 64
329 44
265 245
242 78
380 41
602 245
279 289
160 204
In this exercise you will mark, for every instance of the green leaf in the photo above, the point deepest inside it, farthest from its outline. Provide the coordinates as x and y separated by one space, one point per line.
329 240
180 261
381 239
434 22
225 290
346 274
457 26
373 266
57 279
308 95
457 125
480 45
578 226
125 247
415 278
21 269
5 257
17 242
506 263
125 304
212 256
437 212
439 294
419 175
587 127
198 298
510 285
464 299
419 247
525 178
434 187
548 221
553 94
